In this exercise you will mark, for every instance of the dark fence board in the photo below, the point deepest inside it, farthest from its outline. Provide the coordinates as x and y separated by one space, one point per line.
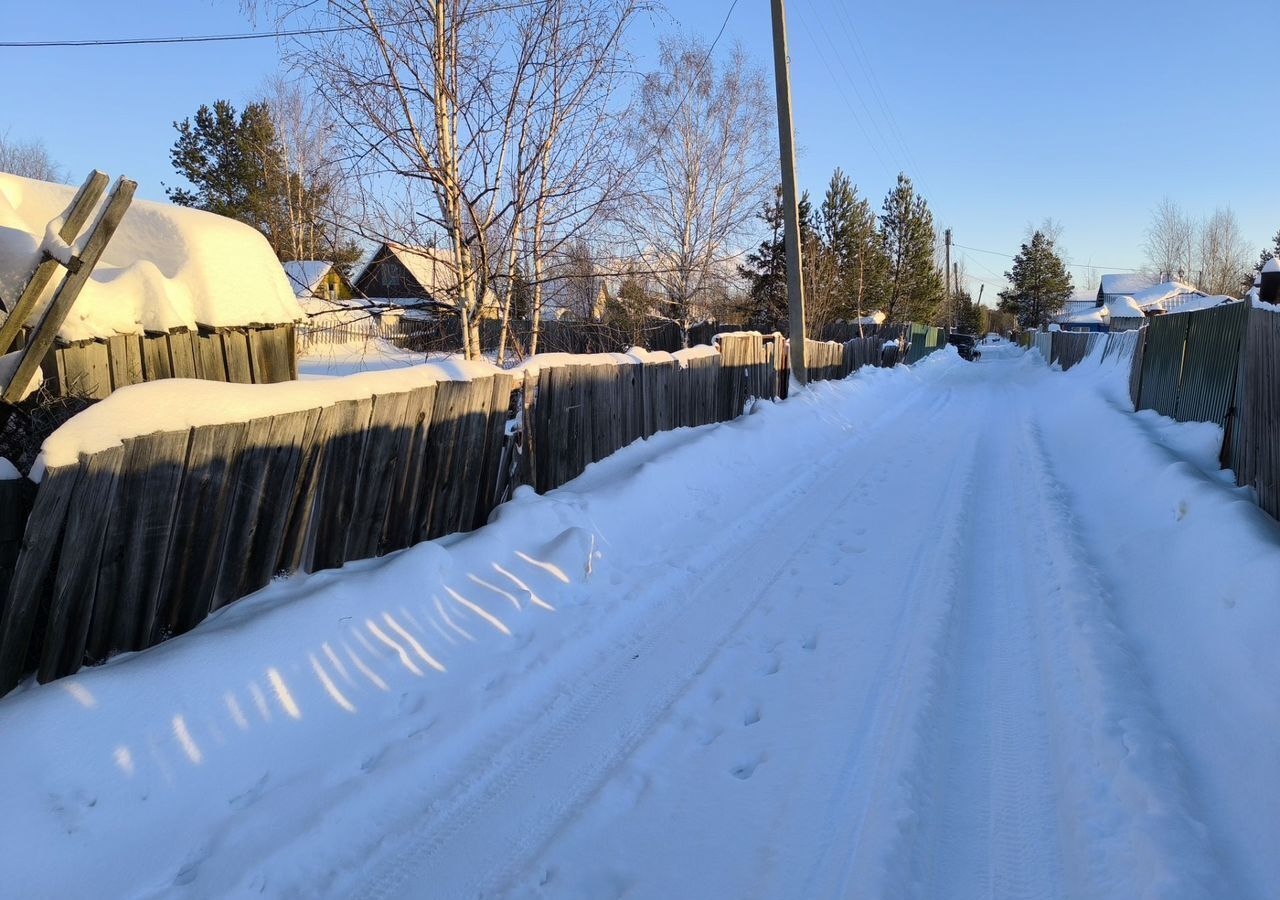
33 572
66 633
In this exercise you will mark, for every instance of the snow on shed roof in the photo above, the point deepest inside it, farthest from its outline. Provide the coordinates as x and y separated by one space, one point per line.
1126 283
1165 295
1271 265
305 275
166 267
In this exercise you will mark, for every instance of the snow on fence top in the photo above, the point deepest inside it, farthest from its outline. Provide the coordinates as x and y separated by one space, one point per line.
166 267
178 403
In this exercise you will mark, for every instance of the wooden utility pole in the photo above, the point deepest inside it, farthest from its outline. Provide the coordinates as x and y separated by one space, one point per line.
786 145
947 273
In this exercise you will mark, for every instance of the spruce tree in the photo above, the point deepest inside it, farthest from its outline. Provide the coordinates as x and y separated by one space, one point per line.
913 284
766 266
1272 252
237 168
1038 283
848 230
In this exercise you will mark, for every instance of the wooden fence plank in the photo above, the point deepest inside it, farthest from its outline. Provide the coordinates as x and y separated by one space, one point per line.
342 478
137 538
66 633
190 576
33 572
401 528
235 349
262 498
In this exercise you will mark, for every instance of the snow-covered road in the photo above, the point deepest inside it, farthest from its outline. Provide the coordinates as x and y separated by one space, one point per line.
966 630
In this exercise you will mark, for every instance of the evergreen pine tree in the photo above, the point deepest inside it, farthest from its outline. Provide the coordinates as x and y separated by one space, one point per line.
237 168
969 318
766 270
1272 252
913 287
848 229
1038 283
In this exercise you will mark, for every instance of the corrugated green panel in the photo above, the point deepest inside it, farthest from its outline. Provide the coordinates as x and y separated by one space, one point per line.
1162 363
1210 363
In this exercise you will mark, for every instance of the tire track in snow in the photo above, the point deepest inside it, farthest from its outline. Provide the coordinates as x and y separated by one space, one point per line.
470 843
872 799
1126 802
989 825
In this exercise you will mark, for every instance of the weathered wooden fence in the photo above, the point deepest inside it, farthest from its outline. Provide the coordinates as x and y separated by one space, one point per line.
95 368
140 541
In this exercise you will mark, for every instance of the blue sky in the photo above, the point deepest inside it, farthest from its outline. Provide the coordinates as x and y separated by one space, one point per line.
1003 113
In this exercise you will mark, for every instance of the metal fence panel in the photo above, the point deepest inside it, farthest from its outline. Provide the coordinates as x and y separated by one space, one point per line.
1207 388
1162 363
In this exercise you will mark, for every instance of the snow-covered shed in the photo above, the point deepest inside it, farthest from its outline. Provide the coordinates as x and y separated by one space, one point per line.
178 293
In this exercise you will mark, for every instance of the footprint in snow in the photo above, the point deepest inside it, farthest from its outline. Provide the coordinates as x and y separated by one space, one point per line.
810 643
752 715
774 664
745 769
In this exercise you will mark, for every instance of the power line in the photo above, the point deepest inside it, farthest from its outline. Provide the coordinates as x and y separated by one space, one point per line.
845 97
1070 264
240 36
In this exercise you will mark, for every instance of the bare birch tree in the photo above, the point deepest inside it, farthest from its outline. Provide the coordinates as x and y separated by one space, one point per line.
442 105
28 159
1170 241
1224 254
702 135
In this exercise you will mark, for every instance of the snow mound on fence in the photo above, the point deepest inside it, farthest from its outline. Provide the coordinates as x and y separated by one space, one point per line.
179 403
166 267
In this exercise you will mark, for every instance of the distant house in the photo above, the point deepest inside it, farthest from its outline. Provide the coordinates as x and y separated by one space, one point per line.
1113 287
316 279
1079 306
406 274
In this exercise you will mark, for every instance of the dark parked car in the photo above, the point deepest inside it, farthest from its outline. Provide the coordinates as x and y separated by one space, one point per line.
966 345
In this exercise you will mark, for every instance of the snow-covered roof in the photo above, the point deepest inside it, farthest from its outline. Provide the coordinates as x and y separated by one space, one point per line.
1165 296
432 268
1124 308
305 275
1271 265
166 267
1094 315
1084 295
1126 283
1192 302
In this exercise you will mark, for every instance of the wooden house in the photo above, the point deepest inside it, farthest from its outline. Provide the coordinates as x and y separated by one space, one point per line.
425 276
320 280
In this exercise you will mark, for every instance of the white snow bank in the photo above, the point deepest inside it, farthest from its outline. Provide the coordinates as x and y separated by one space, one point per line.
9 365
264 751
178 403
166 266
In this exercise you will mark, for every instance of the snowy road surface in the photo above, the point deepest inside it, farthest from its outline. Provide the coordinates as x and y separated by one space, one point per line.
966 630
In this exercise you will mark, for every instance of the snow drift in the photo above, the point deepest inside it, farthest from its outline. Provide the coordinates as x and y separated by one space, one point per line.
166 267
